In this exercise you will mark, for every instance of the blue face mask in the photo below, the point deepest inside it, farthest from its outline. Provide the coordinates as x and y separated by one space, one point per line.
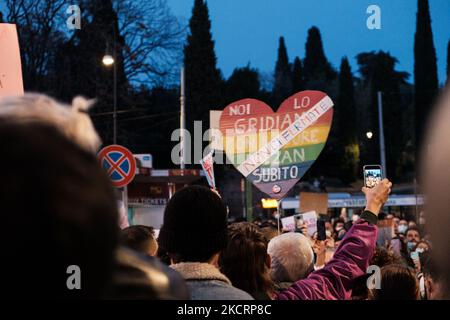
410 245
402 228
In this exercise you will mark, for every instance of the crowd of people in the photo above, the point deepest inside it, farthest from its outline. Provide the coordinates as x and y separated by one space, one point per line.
56 194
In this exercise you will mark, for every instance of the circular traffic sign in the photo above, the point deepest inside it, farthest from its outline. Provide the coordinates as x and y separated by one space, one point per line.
119 163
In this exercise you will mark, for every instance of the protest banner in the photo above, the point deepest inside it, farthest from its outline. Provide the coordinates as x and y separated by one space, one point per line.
274 150
208 167
288 223
310 219
312 201
10 65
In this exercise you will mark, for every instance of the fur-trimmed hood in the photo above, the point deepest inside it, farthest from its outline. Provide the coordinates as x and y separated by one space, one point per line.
200 271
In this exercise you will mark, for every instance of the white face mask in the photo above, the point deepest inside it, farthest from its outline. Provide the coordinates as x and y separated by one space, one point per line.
402 228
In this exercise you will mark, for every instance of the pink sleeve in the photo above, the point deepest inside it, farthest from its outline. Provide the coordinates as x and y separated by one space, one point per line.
335 280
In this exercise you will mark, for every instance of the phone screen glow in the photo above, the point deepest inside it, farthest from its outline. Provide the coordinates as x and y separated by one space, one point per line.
372 177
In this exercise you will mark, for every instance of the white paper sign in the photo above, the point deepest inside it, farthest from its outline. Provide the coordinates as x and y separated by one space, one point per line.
310 218
288 223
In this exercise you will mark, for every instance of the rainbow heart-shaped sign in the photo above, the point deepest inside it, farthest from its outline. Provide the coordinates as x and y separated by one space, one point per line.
274 150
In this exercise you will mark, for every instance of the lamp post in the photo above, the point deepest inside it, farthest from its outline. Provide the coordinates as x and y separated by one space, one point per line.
107 61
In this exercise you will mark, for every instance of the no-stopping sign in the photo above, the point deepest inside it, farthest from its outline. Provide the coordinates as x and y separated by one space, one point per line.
119 163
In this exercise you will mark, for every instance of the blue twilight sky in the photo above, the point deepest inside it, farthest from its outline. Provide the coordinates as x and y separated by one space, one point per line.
247 30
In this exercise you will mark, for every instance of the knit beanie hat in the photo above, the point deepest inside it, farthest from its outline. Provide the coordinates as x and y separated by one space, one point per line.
195 224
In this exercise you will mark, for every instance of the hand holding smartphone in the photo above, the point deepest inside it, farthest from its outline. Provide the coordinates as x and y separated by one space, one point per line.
373 174
321 231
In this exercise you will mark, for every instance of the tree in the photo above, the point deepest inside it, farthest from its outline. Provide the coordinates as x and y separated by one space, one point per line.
153 41
425 71
38 26
283 78
298 82
448 62
346 124
378 74
203 79
243 83
1 17
317 69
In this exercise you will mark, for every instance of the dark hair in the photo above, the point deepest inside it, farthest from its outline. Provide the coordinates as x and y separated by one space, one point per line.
243 261
139 237
57 195
340 220
397 283
429 266
195 225
412 229
383 257
269 232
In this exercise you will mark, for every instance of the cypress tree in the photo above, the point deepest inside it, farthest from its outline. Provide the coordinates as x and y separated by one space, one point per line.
425 70
283 80
203 79
316 66
243 83
297 76
346 124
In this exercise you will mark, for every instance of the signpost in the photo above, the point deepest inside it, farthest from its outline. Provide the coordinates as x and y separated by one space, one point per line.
119 163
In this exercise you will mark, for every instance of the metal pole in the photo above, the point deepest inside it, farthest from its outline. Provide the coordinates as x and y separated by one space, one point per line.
182 119
416 206
115 88
278 215
380 122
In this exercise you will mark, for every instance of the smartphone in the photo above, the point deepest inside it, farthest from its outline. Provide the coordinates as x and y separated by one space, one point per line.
321 231
373 174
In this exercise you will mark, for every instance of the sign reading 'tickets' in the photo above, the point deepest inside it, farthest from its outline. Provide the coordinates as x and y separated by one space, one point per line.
274 150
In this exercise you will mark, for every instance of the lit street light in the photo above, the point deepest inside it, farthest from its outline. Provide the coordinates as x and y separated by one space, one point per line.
108 60
369 134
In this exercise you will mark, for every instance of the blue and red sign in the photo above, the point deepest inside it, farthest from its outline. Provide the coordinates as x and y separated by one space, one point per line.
119 163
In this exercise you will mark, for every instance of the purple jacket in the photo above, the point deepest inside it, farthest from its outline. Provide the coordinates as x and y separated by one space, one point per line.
350 261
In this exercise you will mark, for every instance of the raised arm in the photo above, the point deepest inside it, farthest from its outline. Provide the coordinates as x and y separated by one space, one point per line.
350 260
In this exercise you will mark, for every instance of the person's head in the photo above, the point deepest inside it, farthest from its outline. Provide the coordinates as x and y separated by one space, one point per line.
72 120
402 226
140 238
422 246
436 182
397 283
269 232
195 225
245 260
434 279
328 226
338 225
57 195
412 236
422 219
412 224
396 222
383 257
292 257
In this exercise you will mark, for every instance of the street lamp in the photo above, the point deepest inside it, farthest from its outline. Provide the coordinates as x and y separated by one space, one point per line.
369 134
107 61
